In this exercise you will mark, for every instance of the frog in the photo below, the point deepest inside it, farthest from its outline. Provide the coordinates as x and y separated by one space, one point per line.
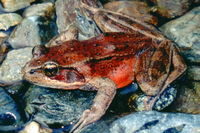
127 51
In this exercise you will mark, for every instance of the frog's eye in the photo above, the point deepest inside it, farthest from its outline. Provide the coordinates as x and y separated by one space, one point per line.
50 69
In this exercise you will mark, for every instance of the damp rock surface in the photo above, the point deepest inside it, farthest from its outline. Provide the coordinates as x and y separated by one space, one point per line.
10 70
52 106
185 31
33 31
8 20
156 122
10 116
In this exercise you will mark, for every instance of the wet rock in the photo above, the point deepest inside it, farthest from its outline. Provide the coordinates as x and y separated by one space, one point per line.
13 5
2 35
8 20
171 8
10 70
61 107
3 47
32 31
156 122
70 13
196 2
188 99
135 9
9 114
102 125
196 87
185 31
43 9
193 73
35 127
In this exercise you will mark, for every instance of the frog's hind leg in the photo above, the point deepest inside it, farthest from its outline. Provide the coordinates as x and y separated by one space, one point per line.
106 92
159 71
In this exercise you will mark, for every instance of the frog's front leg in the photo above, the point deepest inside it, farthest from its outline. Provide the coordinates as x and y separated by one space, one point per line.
105 94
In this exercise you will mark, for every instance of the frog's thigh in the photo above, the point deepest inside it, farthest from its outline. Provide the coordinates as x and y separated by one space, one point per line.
154 71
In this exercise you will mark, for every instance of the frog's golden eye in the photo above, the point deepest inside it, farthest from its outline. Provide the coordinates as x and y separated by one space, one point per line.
50 69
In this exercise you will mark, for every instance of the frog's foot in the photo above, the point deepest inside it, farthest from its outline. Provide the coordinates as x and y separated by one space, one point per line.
89 116
105 94
159 102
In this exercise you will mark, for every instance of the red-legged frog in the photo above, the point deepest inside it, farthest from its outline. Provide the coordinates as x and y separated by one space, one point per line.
129 51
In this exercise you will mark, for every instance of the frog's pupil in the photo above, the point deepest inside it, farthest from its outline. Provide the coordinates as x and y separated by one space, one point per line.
50 69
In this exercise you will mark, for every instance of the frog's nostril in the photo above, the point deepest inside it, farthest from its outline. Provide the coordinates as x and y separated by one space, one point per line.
32 71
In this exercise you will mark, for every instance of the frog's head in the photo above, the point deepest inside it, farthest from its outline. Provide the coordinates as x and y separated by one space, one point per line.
48 69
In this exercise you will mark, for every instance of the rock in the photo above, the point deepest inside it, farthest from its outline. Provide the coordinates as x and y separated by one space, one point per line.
171 8
8 20
32 31
35 127
43 9
10 70
3 47
70 13
185 31
196 87
156 122
9 113
2 35
61 107
188 99
135 9
13 5
193 73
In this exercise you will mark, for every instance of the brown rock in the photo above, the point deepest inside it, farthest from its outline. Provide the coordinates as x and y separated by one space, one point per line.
188 101
13 5
171 8
135 9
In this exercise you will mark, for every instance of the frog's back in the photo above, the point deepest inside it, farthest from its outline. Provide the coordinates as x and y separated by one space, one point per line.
114 55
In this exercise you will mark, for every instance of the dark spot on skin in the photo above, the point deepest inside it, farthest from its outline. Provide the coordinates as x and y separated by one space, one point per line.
96 45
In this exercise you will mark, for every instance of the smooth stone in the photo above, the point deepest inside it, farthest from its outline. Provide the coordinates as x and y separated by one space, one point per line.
3 47
193 73
156 122
185 31
69 13
35 127
57 107
32 31
65 17
8 20
2 35
196 86
14 5
136 9
9 113
10 70
43 9
188 99
171 8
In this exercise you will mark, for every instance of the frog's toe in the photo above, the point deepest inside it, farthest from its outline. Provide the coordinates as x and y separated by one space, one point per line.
88 116
159 102
165 98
